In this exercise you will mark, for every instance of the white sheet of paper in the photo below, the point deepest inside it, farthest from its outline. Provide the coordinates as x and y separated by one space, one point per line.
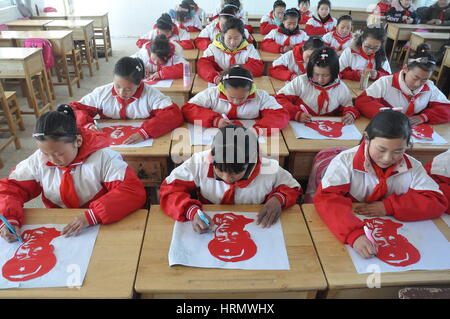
437 139
73 255
446 218
425 236
162 84
191 249
349 132
204 136
146 143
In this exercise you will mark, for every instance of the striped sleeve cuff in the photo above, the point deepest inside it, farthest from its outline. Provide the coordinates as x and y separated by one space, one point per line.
190 213
91 218
280 197
352 113
13 222
144 134
424 117
216 121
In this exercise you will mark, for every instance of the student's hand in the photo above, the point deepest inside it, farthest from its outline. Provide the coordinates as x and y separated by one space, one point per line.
153 77
364 247
223 122
305 118
269 213
148 74
199 226
373 74
415 120
348 119
8 236
375 209
75 226
339 52
133 139
95 128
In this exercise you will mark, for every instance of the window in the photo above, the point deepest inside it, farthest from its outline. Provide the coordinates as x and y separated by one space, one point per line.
6 3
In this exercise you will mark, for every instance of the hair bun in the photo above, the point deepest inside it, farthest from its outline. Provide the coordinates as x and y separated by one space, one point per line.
65 109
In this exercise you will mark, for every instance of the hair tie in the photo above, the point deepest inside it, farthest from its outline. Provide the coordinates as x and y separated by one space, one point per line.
231 5
138 68
324 56
38 135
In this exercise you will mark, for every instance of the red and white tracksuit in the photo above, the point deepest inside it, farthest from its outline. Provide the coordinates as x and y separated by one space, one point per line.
267 23
217 58
334 40
305 17
288 65
209 105
333 100
196 175
315 26
192 25
239 15
353 60
439 170
160 113
209 34
391 91
173 69
97 180
407 192
179 36
276 40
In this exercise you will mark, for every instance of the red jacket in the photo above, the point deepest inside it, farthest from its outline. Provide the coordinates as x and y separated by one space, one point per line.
282 72
439 170
315 26
267 26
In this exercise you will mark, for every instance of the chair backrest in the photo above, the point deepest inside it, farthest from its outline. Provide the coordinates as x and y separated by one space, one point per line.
50 9
47 50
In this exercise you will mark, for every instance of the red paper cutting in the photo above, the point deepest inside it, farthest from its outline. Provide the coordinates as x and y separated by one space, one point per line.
423 132
117 134
232 243
34 258
393 248
327 128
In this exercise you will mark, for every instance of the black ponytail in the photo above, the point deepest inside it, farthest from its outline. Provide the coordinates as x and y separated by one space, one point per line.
161 47
132 69
164 22
423 59
59 125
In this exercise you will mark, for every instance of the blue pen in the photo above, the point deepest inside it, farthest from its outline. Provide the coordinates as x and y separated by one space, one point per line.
202 216
11 228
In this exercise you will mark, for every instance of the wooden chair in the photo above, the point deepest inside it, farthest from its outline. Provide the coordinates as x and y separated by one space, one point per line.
8 112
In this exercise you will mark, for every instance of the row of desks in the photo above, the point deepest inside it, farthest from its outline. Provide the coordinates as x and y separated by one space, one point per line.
131 256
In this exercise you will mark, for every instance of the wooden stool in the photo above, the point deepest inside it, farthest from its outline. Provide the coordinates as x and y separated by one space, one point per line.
88 54
74 60
14 109
10 122
63 74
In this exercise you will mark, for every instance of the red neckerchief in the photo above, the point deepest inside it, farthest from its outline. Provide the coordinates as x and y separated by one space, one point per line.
381 189
321 21
323 100
288 40
341 40
370 58
298 57
124 104
232 114
411 98
271 15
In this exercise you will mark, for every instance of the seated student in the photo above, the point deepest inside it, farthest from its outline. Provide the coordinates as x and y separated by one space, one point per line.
164 25
382 8
229 48
379 174
402 11
229 174
161 60
71 169
274 18
303 8
294 63
410 90
342 37
209 34
185 18
240 13
439 170
238 98
324 22
287 36
129 98
366 53
319 92
438 13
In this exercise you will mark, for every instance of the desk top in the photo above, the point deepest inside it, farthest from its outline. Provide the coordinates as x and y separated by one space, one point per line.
338 266
28 23
155 275
177 87
71 24
277 84
194 35
190 54
268 56
17 53
432 35
51 35
113 263
417 26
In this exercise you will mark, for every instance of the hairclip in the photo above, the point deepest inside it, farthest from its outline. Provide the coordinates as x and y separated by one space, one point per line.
228 77
178 8
323 56
227 14
231 5
138 68
38 134
422 60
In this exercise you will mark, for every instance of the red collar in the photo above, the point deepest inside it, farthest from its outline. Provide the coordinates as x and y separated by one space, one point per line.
224 97
363 54
298 57
340 39
396 83
136 95
323 22
324 88
271 15
218 27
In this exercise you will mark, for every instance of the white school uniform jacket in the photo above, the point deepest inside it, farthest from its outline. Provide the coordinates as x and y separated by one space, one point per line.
439 170
267 23
276 40
289 64
218 58
197 175
333 100
332 39
315 26
160 113
353 60
209 105
411 195
179 36
192 25
391 91
209 34
101 182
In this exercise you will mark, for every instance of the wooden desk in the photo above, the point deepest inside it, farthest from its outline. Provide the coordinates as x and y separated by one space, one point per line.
181 149
191 56
83 30
277 84
345 282
434 39
194 35
262 83
24 64
268 59
155 279
178 92
354 87
258 39
28 25
113 264
255 25
254 17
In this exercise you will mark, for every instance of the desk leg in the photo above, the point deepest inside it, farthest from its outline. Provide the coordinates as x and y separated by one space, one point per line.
88 56
95 52
66 73
31 97
393 49
105 44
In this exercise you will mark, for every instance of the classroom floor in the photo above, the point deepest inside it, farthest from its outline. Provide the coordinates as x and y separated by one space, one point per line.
11 156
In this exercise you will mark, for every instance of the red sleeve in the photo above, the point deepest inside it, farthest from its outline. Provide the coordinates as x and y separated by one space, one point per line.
269 45
273 119
176 201
208 69
213 17
266 27
336 210
352 110
349 74
141 42
186 44
312 30
84 114
290 103
202 43
193 112
442 181
123 198
287 196
281 72
416 205
192 29
13 195
172 72
162 122
437 113
381 73
249 28
255 66
369 106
